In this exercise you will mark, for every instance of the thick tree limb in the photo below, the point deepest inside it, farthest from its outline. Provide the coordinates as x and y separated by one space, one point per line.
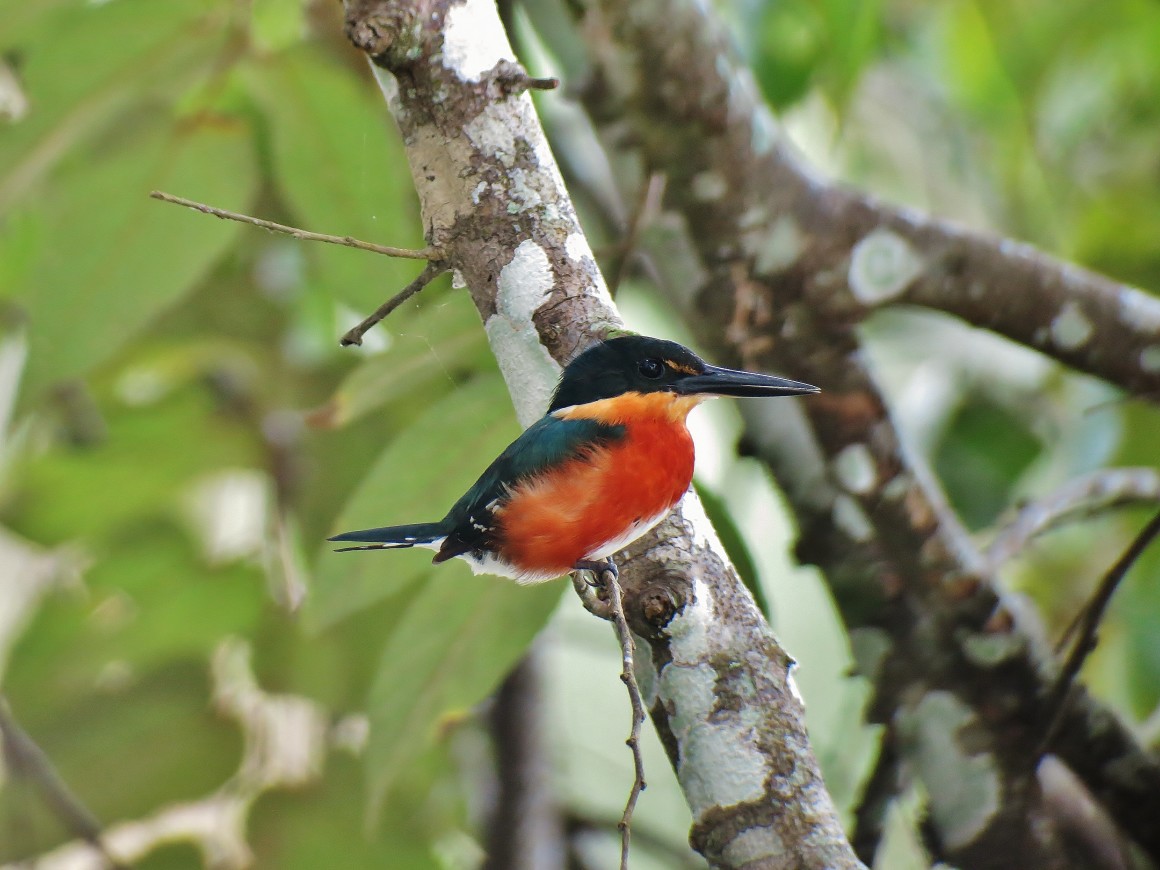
493 202
774 268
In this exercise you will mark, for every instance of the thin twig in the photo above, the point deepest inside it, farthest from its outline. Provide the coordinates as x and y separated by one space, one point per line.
647 205
304 235
1086 640
27 760
628 677
1076 499
430 272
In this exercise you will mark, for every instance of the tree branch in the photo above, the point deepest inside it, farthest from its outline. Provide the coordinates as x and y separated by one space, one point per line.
1079 498
28 761
303 235
493 202
1089 621
776 267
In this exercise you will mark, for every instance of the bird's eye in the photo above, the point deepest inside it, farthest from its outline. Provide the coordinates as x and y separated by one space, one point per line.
651 368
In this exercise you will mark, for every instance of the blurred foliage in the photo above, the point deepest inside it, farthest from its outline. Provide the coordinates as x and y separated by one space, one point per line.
187 429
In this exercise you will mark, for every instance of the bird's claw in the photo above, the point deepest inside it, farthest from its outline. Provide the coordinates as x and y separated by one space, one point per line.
597 571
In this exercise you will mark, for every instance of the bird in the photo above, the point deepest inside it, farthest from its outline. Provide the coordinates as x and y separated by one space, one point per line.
606 463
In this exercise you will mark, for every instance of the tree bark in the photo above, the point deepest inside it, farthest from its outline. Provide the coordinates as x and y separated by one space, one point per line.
774 268
495 206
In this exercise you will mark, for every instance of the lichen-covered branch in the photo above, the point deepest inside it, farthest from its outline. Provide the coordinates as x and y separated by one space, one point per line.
493 202
774 267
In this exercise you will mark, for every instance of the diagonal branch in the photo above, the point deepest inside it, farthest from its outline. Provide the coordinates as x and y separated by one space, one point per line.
776 267
303 235
27 760
493 202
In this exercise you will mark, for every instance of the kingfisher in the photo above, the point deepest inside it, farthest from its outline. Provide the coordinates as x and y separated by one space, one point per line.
606 463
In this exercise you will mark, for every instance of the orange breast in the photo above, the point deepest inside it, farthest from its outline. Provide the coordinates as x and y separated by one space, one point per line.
571 512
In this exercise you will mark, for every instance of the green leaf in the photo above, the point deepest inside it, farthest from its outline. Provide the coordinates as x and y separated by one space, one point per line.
86 64
457 640
431 350
340 169
277 24
417 479
139 255
982 453
734 543
147 456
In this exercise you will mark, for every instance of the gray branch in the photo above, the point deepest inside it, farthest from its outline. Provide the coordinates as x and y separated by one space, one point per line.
493 203
774 267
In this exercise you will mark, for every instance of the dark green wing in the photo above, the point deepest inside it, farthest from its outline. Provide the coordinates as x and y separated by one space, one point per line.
546 443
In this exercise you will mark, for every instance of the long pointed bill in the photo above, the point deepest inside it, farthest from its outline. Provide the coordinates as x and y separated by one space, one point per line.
717 381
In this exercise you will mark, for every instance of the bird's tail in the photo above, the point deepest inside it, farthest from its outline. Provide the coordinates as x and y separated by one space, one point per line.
392 537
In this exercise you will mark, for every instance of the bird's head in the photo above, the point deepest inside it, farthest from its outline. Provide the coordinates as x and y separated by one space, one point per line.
639 364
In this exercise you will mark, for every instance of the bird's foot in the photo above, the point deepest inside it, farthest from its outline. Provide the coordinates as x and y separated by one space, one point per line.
598 570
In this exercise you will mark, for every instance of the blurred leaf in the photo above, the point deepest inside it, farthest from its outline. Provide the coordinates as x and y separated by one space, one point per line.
339 170
277 24
434 349
150 601
139 255
126 753
138 470
735 546
417 479
1139 604
85 64
790 36
455 643
322 826
982 453
852 31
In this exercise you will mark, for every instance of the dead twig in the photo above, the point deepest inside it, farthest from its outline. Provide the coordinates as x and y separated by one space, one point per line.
432 271
25 759
1088 624
610 582
647 206
295 232
1076 499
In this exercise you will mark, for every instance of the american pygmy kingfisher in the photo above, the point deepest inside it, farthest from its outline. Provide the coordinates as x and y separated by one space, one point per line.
606 463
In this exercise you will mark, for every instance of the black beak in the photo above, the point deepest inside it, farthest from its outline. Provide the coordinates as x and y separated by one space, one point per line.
716 381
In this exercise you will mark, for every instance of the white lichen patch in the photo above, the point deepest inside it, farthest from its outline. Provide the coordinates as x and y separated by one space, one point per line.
1071 328
852 520
964 789
1150 359
855 469
882 265
689 630
577 248
709 185
529 370
719 764
758 843
776 248
1139 310
492 135
474 40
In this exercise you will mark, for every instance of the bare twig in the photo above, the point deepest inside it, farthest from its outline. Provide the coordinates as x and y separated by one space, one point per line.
432 271
647 206
628 677
1089 622
304 235
27 760
1076 499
